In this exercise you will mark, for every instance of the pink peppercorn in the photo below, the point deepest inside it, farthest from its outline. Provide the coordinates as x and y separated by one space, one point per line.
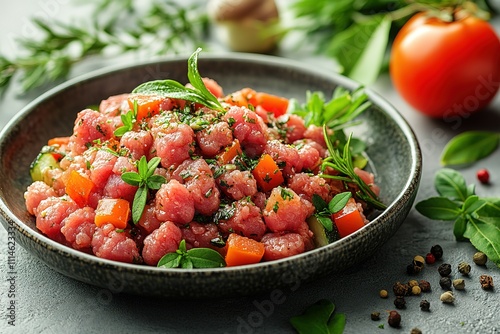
430 258
483 176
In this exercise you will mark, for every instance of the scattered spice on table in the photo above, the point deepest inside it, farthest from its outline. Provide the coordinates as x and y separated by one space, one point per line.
424 285
400 302
445 283
464 268
480 258
483 176
383 293
459 284
425 305
394 319
486 282
444 269
447 297
375 316
437 251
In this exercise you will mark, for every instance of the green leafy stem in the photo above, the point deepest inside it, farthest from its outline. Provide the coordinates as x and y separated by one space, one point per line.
475 218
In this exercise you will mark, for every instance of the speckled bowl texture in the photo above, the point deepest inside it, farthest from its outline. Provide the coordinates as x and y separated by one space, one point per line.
393 150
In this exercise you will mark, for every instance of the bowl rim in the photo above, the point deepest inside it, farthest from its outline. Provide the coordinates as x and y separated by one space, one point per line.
408 190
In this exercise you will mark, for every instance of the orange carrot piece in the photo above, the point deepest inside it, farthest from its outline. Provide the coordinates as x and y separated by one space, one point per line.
58 141
114 211
79 187
230 153
242 250
272 103
241 98
267 173
147 105
349 219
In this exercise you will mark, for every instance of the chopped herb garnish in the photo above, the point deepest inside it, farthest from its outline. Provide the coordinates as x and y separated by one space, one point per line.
128 121
145 180
193 258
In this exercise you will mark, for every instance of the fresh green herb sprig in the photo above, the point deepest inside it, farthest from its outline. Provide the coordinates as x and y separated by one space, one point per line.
469 147
173 89
116 27
337 113
475 218
193 258
343 163
325 210
128 121
319 318
145 180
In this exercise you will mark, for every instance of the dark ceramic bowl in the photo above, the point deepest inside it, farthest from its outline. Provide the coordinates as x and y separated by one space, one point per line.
393 150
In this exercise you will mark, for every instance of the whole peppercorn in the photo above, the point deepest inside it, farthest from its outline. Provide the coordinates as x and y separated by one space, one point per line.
383 294
375 316
394 319
464 268
459 284
415 290
437 251
425 305
415 331
424 285
400 302
430 258
400 289
444 269
419 261
412 283
447 297
483 176
480 258
411 269
445 283
486 282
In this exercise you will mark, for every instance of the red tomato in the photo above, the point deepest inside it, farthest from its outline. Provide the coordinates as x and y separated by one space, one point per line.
446 69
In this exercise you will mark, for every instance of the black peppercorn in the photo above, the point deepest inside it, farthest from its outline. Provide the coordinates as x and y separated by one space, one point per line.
410 269
444 269
445 283
437 251
424 285
425 305
375 316
400 289
400 302
394 319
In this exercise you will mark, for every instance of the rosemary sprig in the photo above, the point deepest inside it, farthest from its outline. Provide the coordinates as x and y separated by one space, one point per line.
343 163
167 27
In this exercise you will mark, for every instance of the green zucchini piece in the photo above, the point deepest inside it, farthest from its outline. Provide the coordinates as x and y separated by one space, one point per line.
322 237
44 160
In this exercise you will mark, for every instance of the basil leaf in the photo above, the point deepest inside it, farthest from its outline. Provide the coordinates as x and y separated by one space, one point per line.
339 201
196 80
186 263
326 222
151 167
140 199
182 246
155 181
450 183
485 237
472 203
314 319
132 178
439 208
142 168
170 260
205 258
469 147
336 325
319 203
360 49
459 228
